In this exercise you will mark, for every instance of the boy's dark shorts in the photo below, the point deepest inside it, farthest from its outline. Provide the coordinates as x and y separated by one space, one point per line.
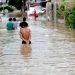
24 42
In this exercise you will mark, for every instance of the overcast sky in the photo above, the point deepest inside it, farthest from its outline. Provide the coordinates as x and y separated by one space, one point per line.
2 0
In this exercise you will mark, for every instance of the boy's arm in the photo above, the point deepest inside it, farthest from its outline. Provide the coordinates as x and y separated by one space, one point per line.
29 34
22 36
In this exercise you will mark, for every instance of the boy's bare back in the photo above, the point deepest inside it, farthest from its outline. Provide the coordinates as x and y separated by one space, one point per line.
25 33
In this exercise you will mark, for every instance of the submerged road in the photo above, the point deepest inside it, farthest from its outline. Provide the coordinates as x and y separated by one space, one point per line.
52 51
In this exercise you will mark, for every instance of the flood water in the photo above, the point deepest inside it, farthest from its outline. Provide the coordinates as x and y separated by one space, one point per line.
52 51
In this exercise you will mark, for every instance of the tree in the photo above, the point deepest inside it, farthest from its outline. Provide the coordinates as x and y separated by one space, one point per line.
16 3
11 2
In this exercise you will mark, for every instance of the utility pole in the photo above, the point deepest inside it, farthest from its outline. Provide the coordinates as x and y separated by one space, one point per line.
35 0
24 5
24 13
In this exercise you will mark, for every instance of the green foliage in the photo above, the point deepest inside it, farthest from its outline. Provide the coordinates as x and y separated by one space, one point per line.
62 0
16 3
1 8
60 11
43 4
73 11
70 18
66 18
8 8
62 7
11 2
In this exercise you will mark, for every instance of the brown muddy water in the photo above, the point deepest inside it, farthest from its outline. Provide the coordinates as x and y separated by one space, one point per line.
52 51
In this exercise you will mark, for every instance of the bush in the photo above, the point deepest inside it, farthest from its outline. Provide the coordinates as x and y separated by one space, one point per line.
60 11
70 18
62 7
66 18
43 4
10 9
1 8
16 3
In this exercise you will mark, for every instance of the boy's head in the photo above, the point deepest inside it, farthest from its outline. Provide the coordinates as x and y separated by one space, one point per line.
24 19
10 19
23 24
14 19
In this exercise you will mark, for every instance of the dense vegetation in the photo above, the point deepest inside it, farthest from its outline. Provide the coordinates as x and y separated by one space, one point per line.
10 9
16 3
43 3
67 11
70 18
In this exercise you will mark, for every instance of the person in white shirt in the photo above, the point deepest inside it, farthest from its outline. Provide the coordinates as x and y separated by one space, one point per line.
15 23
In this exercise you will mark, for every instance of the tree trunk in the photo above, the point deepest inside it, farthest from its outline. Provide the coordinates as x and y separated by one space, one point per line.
6 1
35 0
24 5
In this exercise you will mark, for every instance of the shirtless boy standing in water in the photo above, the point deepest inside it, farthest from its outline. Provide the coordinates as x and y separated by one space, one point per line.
25 33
